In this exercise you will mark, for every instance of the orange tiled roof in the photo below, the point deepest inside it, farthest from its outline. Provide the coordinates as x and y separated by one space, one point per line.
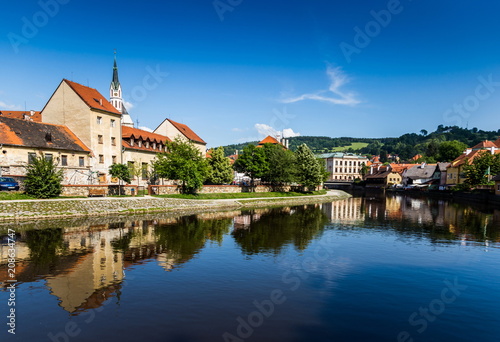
497 143
270 140
399 168
187 132
38 135
467 158
21 114
484 144
92 97
416 157
139 134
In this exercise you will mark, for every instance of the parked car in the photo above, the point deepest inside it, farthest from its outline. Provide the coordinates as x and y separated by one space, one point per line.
8 183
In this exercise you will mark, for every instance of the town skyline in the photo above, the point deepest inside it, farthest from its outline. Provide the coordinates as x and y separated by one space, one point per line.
238 72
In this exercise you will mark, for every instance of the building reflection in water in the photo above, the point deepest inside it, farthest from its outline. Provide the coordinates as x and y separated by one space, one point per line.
85 266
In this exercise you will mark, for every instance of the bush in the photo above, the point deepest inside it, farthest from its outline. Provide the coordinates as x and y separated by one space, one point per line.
43 178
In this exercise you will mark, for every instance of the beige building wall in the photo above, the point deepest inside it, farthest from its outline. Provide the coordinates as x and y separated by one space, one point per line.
13 160
344 168
95 128
139 158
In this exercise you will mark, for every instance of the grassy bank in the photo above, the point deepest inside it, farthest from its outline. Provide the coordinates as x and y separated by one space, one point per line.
244 195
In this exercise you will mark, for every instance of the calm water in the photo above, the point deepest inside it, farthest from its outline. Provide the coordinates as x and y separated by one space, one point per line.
363 269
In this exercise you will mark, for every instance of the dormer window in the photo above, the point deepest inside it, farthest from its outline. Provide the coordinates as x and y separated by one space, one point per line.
48 137
147 144
139 143
131 141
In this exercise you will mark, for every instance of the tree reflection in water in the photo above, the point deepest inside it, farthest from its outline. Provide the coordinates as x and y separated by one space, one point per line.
275 228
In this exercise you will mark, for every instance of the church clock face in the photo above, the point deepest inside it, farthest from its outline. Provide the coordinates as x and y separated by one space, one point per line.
116 94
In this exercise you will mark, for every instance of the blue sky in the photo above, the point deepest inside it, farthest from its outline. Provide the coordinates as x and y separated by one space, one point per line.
235 70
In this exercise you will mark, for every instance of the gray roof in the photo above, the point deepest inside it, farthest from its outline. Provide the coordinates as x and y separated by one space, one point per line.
443 166
421 172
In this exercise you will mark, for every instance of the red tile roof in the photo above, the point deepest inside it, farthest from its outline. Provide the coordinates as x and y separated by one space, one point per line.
38 135
484 144
92 97
139 134
187 132
21 114
270 140
497 143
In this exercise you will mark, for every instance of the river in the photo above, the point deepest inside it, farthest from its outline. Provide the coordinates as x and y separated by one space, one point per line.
372 268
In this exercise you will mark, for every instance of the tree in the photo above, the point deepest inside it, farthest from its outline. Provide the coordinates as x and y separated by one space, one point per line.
363 170
450 150
252 162
281 162
43 178
424 132
122 172
310 171
184 162
220 168
486 164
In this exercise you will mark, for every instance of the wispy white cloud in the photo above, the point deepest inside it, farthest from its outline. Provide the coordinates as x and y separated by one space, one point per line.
4 105
236 129
147 129
128 105
337 80
265 130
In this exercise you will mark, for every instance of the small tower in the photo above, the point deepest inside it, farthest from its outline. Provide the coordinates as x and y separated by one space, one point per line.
115 97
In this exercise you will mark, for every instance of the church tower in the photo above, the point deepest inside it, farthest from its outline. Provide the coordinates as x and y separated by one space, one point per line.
115 97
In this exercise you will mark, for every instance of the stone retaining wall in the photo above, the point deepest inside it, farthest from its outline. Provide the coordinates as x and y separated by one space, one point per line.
220 189
87 190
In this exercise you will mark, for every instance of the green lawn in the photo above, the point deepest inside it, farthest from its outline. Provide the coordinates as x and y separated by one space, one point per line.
11 195
354 146
244 195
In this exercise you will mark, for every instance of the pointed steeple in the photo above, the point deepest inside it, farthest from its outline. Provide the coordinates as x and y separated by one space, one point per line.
115 97
115 83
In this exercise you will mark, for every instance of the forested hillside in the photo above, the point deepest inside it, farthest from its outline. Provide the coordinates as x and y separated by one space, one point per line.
440 145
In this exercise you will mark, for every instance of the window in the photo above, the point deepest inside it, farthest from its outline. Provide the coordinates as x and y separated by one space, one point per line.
64 160
154 146
131 168
144 171
99 139
139 143
101 159
147 144
48 157
112 123
131 141
113 159
99 120
81 161
31 157
113 141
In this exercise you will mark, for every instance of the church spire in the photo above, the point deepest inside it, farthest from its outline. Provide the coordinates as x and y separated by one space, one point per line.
115 97
115 83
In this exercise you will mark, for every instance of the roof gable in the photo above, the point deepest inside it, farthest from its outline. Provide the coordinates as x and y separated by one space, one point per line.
92 97
187 132
484 144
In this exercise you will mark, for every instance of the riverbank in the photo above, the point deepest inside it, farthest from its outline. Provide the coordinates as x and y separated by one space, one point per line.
18 210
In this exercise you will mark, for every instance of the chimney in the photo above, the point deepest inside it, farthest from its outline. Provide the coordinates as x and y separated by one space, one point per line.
32 112
100 102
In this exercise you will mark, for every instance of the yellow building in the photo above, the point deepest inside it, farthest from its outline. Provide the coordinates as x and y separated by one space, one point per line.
92 119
